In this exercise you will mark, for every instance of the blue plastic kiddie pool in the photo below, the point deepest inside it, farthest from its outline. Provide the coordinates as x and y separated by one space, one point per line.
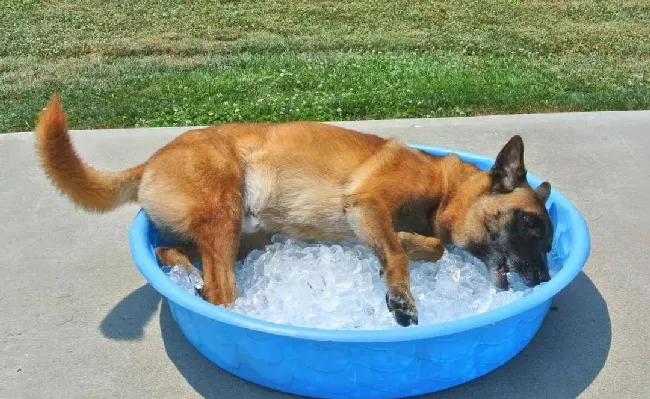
368 364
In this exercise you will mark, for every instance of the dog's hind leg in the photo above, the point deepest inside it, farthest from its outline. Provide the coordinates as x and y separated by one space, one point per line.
217 234
183 256
196 191
187 255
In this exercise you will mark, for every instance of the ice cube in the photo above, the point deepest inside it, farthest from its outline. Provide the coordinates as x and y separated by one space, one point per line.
189 282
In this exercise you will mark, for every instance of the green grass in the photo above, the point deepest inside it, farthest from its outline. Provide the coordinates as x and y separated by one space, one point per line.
161 63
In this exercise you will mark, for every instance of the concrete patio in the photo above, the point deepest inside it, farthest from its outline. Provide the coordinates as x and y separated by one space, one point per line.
77 319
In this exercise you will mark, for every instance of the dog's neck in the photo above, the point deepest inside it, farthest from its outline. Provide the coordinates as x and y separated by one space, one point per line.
455 185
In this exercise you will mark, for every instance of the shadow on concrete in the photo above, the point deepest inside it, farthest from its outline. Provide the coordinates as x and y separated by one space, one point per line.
563 359
126 321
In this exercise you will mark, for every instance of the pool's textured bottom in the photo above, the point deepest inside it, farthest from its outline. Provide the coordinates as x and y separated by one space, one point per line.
353 369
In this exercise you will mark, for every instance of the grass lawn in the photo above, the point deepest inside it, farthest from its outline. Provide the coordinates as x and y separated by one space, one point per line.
171 62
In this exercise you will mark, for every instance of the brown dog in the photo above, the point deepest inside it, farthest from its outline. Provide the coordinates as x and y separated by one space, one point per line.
314 181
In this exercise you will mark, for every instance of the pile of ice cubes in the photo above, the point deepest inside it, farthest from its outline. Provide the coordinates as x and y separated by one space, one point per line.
337 286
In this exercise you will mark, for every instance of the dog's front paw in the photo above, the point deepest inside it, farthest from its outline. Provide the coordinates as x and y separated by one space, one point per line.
418 247
402 305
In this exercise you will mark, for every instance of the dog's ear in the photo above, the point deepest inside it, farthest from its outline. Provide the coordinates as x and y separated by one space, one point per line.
543 191
509 171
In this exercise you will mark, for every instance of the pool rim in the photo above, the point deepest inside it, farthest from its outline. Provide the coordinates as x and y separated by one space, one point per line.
148 266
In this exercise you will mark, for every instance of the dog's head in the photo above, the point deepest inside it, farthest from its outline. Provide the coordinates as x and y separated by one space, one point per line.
502 220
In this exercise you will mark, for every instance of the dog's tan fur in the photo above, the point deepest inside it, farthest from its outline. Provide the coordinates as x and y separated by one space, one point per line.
307 180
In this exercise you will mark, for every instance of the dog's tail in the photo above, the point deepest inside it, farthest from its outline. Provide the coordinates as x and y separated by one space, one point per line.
89 188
